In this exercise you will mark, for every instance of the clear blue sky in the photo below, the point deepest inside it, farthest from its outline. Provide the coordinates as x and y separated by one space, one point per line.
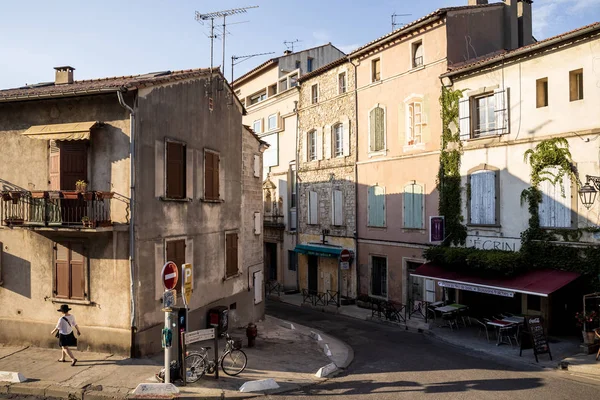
102 38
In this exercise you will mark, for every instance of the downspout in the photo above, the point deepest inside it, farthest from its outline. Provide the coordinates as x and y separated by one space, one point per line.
132 216
356 175
297 164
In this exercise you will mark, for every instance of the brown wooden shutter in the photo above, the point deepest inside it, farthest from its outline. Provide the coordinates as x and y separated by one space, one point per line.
73 164
215 171
61 272
231 254
54 166
77 271
175 170
208 175
176 253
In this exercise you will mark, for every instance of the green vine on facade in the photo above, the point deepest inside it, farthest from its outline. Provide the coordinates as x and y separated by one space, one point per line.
448 180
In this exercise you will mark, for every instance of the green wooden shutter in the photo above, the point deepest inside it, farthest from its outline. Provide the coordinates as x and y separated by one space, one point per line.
417 206
376 205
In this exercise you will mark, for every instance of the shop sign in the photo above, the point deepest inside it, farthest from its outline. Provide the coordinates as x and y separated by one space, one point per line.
493 243
478 289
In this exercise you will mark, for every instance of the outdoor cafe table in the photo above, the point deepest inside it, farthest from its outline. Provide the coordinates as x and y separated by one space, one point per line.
499 324
450 308
514 320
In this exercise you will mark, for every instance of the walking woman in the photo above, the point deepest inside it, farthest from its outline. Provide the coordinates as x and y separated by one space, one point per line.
64 333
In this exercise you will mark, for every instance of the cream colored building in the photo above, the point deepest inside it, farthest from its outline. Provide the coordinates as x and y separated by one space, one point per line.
270 95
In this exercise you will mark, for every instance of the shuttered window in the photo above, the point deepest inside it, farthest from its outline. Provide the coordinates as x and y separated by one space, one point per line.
211 176
70 266
377 129
337 204
555 208
176 183
313 208
376 206
231 254
413 206
379 276
482 202
176 253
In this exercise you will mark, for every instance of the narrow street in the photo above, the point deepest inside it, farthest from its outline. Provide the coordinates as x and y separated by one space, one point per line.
391 364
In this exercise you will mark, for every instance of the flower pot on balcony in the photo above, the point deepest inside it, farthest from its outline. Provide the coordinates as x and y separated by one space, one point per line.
88 196
104 195
70 195
39 194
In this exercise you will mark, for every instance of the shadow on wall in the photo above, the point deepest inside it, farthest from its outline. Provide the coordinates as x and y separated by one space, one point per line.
8 186
16 274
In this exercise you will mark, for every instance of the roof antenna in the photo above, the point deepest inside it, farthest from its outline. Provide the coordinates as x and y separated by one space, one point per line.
394 23
289 44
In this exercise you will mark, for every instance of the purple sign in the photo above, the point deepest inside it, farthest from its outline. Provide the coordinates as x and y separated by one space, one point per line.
436 229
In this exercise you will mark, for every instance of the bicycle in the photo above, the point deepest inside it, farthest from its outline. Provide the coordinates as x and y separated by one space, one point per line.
232 360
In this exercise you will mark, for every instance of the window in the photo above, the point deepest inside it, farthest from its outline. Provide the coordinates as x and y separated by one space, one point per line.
314 94
257 98
309 65
176 253
576 85
313 208
555 208
482 199
413 206
231 254
376 206
342 83
70 271
312 145
541 89
175 170
379 276
298 64
283 85
490 115
375 70
292 260
338 140
272 122
417 54
257 126
415 123
377 129
485 121
211 175
337 201
293 80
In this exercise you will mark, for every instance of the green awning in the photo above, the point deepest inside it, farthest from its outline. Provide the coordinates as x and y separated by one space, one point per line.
318 250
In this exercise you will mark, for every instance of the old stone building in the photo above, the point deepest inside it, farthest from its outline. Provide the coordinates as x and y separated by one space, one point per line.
326 180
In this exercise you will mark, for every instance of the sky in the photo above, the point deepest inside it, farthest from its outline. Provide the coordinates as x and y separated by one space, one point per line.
103 38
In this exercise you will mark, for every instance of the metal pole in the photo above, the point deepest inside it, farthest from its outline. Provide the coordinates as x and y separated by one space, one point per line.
184 374
216 353
224 34
167 352
231 83
212 38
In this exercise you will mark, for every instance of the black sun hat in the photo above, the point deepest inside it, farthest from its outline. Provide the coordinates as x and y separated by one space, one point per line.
64 308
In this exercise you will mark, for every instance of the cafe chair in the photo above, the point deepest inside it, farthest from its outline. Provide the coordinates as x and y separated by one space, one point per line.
431 311
508 333
450 319
463 314
483 327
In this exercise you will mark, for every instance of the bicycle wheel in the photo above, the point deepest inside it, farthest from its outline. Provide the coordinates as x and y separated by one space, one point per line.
234 362
195 366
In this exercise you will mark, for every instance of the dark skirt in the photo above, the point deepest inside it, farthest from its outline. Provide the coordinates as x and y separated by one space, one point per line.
67 340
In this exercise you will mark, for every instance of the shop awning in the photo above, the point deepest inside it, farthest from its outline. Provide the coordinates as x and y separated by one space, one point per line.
318 250
74 131
534 282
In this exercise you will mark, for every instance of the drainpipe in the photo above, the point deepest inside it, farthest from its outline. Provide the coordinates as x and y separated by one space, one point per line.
132 216
297 164
357 280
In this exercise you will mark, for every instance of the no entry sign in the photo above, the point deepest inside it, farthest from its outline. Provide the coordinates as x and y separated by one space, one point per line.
345 255
169 275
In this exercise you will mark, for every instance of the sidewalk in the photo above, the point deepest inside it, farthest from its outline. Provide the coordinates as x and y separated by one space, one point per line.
289 356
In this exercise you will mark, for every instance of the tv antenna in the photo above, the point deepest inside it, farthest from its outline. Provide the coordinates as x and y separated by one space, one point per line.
218 14
234 61
394 23
289 44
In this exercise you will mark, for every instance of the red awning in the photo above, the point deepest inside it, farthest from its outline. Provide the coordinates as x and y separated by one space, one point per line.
535 282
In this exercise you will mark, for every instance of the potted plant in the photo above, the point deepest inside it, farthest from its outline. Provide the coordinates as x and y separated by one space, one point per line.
81 186
587 322
14 220
6 196
85 220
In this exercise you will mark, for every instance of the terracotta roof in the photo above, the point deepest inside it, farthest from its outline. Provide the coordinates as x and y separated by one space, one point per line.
49 89
324 68
406 28
503 55
251 131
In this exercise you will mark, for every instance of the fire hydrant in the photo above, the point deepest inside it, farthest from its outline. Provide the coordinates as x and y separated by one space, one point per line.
251 333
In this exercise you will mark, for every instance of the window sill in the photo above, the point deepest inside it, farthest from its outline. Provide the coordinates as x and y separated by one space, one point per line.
413 147
415 69
377 153
377 227
484 226
71 301
406 228
494 136
203 200
375 83
228 278
186 200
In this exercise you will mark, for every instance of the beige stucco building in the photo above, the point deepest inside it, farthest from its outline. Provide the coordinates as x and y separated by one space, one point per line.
195 197
326 181
399 127
270 95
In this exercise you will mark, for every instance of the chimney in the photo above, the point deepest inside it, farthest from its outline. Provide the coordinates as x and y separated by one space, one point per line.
511 25
64 75
286 52
525 20
477 2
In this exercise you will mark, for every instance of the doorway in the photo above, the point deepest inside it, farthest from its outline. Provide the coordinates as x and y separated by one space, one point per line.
271 261
313 274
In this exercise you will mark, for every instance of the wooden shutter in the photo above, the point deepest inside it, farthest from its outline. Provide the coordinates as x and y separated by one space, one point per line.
73 164
313 208
346 137
216 176
555 209
257 171
501 111
231 254
329 148
211 176
338 202
176 182
464 118
54 166
376 206
61 271
257 223
319 146
483 198
413 206
77 261
176 253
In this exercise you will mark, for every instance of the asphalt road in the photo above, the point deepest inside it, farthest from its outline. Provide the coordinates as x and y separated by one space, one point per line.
390 363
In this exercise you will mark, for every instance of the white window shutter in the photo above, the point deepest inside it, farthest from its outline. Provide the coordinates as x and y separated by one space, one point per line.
476 198
292 223
159 262
408 206
258 287
501 112
328 141
489 198
338 202
544 210
257 170
563 205
464 118
319 133
159 168
313 208
346 137
257 223
189 173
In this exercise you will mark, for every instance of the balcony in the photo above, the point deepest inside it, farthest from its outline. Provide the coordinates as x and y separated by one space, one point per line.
274 221
58 209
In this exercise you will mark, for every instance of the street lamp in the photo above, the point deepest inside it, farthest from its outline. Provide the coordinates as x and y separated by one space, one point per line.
587 193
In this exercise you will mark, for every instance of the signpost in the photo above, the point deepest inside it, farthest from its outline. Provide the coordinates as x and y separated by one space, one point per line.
533 337
345 255
187 283
169 277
